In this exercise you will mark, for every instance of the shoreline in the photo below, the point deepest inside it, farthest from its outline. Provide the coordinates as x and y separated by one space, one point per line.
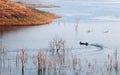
14 14
28 24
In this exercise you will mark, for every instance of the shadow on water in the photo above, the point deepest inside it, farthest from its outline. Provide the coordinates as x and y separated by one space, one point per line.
6 29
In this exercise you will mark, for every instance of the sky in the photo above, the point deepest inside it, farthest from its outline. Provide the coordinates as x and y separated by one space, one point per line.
73 0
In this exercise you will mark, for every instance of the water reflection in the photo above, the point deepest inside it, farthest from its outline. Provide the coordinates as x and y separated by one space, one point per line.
6 29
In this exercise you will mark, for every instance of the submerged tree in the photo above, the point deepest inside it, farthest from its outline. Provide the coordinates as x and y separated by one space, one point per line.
23 56
41 63
57 45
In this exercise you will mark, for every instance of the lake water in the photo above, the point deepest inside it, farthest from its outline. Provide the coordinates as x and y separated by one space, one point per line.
97 23
97 17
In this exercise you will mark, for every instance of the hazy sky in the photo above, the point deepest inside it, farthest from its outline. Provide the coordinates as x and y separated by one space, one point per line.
71 0
100 0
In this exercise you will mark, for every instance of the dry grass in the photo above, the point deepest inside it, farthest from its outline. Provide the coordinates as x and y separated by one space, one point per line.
16 14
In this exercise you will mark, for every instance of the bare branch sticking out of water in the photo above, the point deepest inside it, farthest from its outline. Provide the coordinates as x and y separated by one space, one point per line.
23 56
41 63
57 45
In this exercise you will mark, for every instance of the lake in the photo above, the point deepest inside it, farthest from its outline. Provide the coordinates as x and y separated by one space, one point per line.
97 23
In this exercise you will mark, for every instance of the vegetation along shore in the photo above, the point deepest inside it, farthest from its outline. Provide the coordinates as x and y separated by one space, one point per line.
12 13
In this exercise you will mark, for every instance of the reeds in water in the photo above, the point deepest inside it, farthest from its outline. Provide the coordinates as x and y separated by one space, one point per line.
63 62
23 56
41 63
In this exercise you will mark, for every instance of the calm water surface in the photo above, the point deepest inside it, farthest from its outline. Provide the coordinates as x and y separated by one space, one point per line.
96 17
95 23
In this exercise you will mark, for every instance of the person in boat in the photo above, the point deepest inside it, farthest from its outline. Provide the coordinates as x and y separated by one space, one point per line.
84 43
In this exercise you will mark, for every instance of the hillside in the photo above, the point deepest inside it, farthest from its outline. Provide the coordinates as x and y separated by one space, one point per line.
16 14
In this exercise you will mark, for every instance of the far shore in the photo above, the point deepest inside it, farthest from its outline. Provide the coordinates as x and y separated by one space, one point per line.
42 5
